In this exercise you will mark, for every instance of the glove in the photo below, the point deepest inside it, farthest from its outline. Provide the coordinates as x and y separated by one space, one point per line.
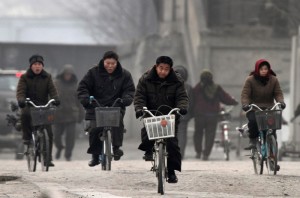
21 103
246 107
282 105
139 113
56 102
183 111
119 104
85 103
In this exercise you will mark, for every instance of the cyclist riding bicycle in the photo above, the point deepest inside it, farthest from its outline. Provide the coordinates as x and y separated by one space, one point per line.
37 85
162 87
261 88
106 81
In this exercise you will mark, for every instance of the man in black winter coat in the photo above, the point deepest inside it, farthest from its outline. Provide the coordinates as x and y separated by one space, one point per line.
106 81
158 88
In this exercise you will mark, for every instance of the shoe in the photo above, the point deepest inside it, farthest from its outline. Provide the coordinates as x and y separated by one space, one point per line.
50 164
68 159
198 156
205 158
252 144
172 177
148 156
58 152
118 153
95 160
277 167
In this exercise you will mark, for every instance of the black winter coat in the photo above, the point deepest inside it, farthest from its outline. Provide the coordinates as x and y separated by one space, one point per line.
152 92
105 87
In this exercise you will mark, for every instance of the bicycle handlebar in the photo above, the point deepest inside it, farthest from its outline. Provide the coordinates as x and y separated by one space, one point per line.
150 113
257 107
39 106
92 98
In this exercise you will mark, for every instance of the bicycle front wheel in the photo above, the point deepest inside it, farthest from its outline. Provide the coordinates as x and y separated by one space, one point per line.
272 154
31 157
226 150
161 168
44 150
106 150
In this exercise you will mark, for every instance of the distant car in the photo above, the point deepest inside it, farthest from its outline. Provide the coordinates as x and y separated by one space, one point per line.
9 137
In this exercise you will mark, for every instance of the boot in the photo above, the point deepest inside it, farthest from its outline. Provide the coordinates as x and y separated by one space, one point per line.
94 161
148 156
118 153
172 178
252 144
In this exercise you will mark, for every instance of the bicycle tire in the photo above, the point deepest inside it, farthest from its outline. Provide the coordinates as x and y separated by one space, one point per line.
272 158
31 157
107 155
226 150
161 169
44 150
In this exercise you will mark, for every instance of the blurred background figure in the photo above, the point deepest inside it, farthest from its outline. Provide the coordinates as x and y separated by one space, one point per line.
68 113
183 125
207 99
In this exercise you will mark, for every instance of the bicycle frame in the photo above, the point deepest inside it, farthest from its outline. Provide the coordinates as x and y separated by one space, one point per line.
159 165
264 147
105 136
37 149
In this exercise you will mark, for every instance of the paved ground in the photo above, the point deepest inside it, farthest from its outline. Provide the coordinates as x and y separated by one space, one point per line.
131 177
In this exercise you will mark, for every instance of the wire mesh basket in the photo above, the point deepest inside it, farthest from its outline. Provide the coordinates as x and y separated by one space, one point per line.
42 116
108 116
160 126
270 119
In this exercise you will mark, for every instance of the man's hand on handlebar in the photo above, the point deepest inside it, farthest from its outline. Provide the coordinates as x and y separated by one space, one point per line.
246 107
139 113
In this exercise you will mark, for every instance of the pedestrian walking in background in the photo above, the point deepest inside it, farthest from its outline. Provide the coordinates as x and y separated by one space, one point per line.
68 113
183 125
207 99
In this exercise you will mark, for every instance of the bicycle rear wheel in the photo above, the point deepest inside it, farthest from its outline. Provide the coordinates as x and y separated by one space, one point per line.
31 157
106 150
272 154
161 169
44 150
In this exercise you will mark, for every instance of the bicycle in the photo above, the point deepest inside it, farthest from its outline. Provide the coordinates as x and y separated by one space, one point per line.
266 150
106 118
39 147
158 129
224 126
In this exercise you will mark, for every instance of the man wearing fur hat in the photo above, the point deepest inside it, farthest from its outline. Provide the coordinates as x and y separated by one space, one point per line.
37 85
207 98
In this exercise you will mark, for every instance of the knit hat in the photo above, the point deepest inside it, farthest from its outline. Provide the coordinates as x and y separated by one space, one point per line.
206 76
36 58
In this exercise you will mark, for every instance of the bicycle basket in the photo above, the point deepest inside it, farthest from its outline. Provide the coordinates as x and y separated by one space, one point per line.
42 116
270 119
160 126
107 116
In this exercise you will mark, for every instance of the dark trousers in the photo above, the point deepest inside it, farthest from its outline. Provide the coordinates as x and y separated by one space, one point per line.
205 125
27 130
182 136
95 143
252 125
69 130
174 156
